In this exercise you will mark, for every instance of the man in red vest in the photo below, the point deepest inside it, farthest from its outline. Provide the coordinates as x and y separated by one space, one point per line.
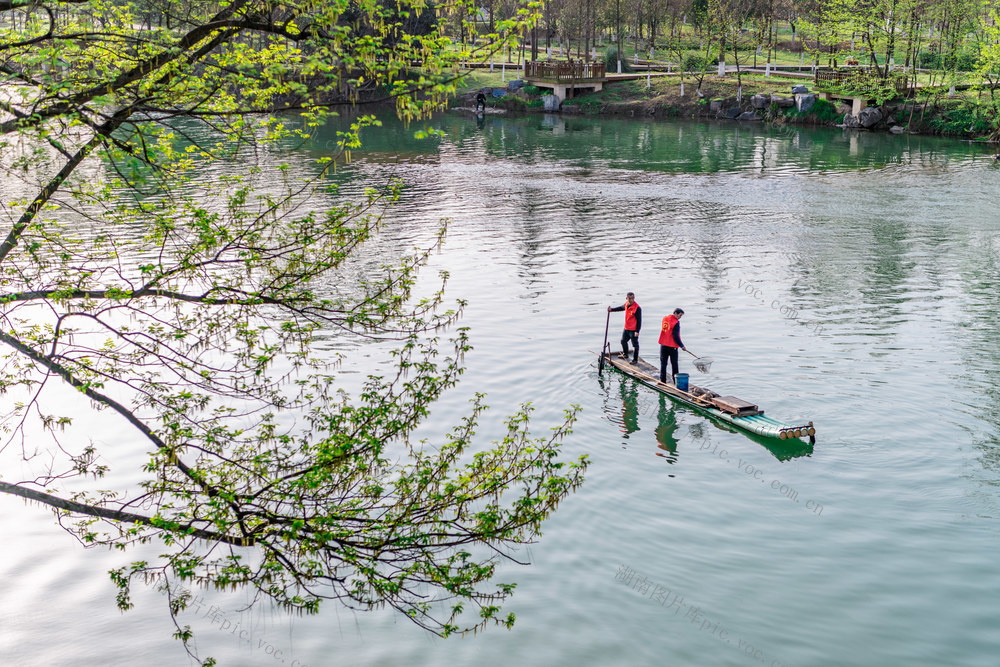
670 340
633 323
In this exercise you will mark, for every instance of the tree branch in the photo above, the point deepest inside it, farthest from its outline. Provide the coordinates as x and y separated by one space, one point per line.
120 516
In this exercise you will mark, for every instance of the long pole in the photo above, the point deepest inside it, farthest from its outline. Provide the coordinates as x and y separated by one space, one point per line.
600 363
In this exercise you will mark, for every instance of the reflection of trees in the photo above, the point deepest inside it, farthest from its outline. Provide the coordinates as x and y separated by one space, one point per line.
884 273
652 146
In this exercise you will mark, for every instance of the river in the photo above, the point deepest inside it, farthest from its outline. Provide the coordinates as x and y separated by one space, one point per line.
850 279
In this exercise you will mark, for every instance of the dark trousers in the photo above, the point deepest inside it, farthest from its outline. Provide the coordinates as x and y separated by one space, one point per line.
630 336
667 353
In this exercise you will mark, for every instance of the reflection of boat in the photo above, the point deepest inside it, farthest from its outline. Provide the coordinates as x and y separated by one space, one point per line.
725 408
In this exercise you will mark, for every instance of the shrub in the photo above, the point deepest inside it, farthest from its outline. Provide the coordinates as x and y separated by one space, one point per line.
512 103
826 112
966 61
694 63
962 120
823 111
611 60
531 91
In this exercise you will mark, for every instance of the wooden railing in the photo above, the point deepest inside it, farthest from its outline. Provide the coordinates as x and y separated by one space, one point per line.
861 80
563 70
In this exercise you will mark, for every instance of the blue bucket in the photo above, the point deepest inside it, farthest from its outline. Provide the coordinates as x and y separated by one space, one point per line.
682 381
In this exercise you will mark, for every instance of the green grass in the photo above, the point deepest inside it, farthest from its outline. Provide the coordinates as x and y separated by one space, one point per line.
482 78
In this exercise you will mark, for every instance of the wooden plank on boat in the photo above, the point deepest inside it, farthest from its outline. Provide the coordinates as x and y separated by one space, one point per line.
735 406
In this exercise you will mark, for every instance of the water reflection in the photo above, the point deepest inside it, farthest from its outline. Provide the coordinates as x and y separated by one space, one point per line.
626 401
980 347
620 404
649 146
628 393
666 426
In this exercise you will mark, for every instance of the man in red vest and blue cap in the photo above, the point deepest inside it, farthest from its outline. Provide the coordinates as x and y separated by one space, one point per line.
633 323
670 340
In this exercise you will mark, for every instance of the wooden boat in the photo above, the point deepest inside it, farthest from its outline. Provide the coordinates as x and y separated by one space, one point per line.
729 409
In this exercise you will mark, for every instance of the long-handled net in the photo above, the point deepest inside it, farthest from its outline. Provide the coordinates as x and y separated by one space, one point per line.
703 363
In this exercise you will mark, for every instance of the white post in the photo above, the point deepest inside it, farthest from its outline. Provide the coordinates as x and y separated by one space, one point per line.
647 78
767 69
722 67
635 59
682 87
802 55
491 63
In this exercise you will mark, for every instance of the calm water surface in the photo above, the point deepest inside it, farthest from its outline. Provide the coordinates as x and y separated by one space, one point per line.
847 279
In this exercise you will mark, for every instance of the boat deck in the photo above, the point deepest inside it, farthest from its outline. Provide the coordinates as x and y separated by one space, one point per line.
727 408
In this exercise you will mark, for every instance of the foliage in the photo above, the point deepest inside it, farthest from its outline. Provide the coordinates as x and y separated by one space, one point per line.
699 12
988 67
823 111
695 63
518 103
826 111
851 81
963 61
963 119
168 271
611 60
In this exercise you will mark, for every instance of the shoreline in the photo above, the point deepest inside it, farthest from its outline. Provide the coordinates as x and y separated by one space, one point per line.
779 103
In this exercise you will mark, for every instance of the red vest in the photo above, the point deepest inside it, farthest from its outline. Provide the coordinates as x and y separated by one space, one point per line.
630 322
667 331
